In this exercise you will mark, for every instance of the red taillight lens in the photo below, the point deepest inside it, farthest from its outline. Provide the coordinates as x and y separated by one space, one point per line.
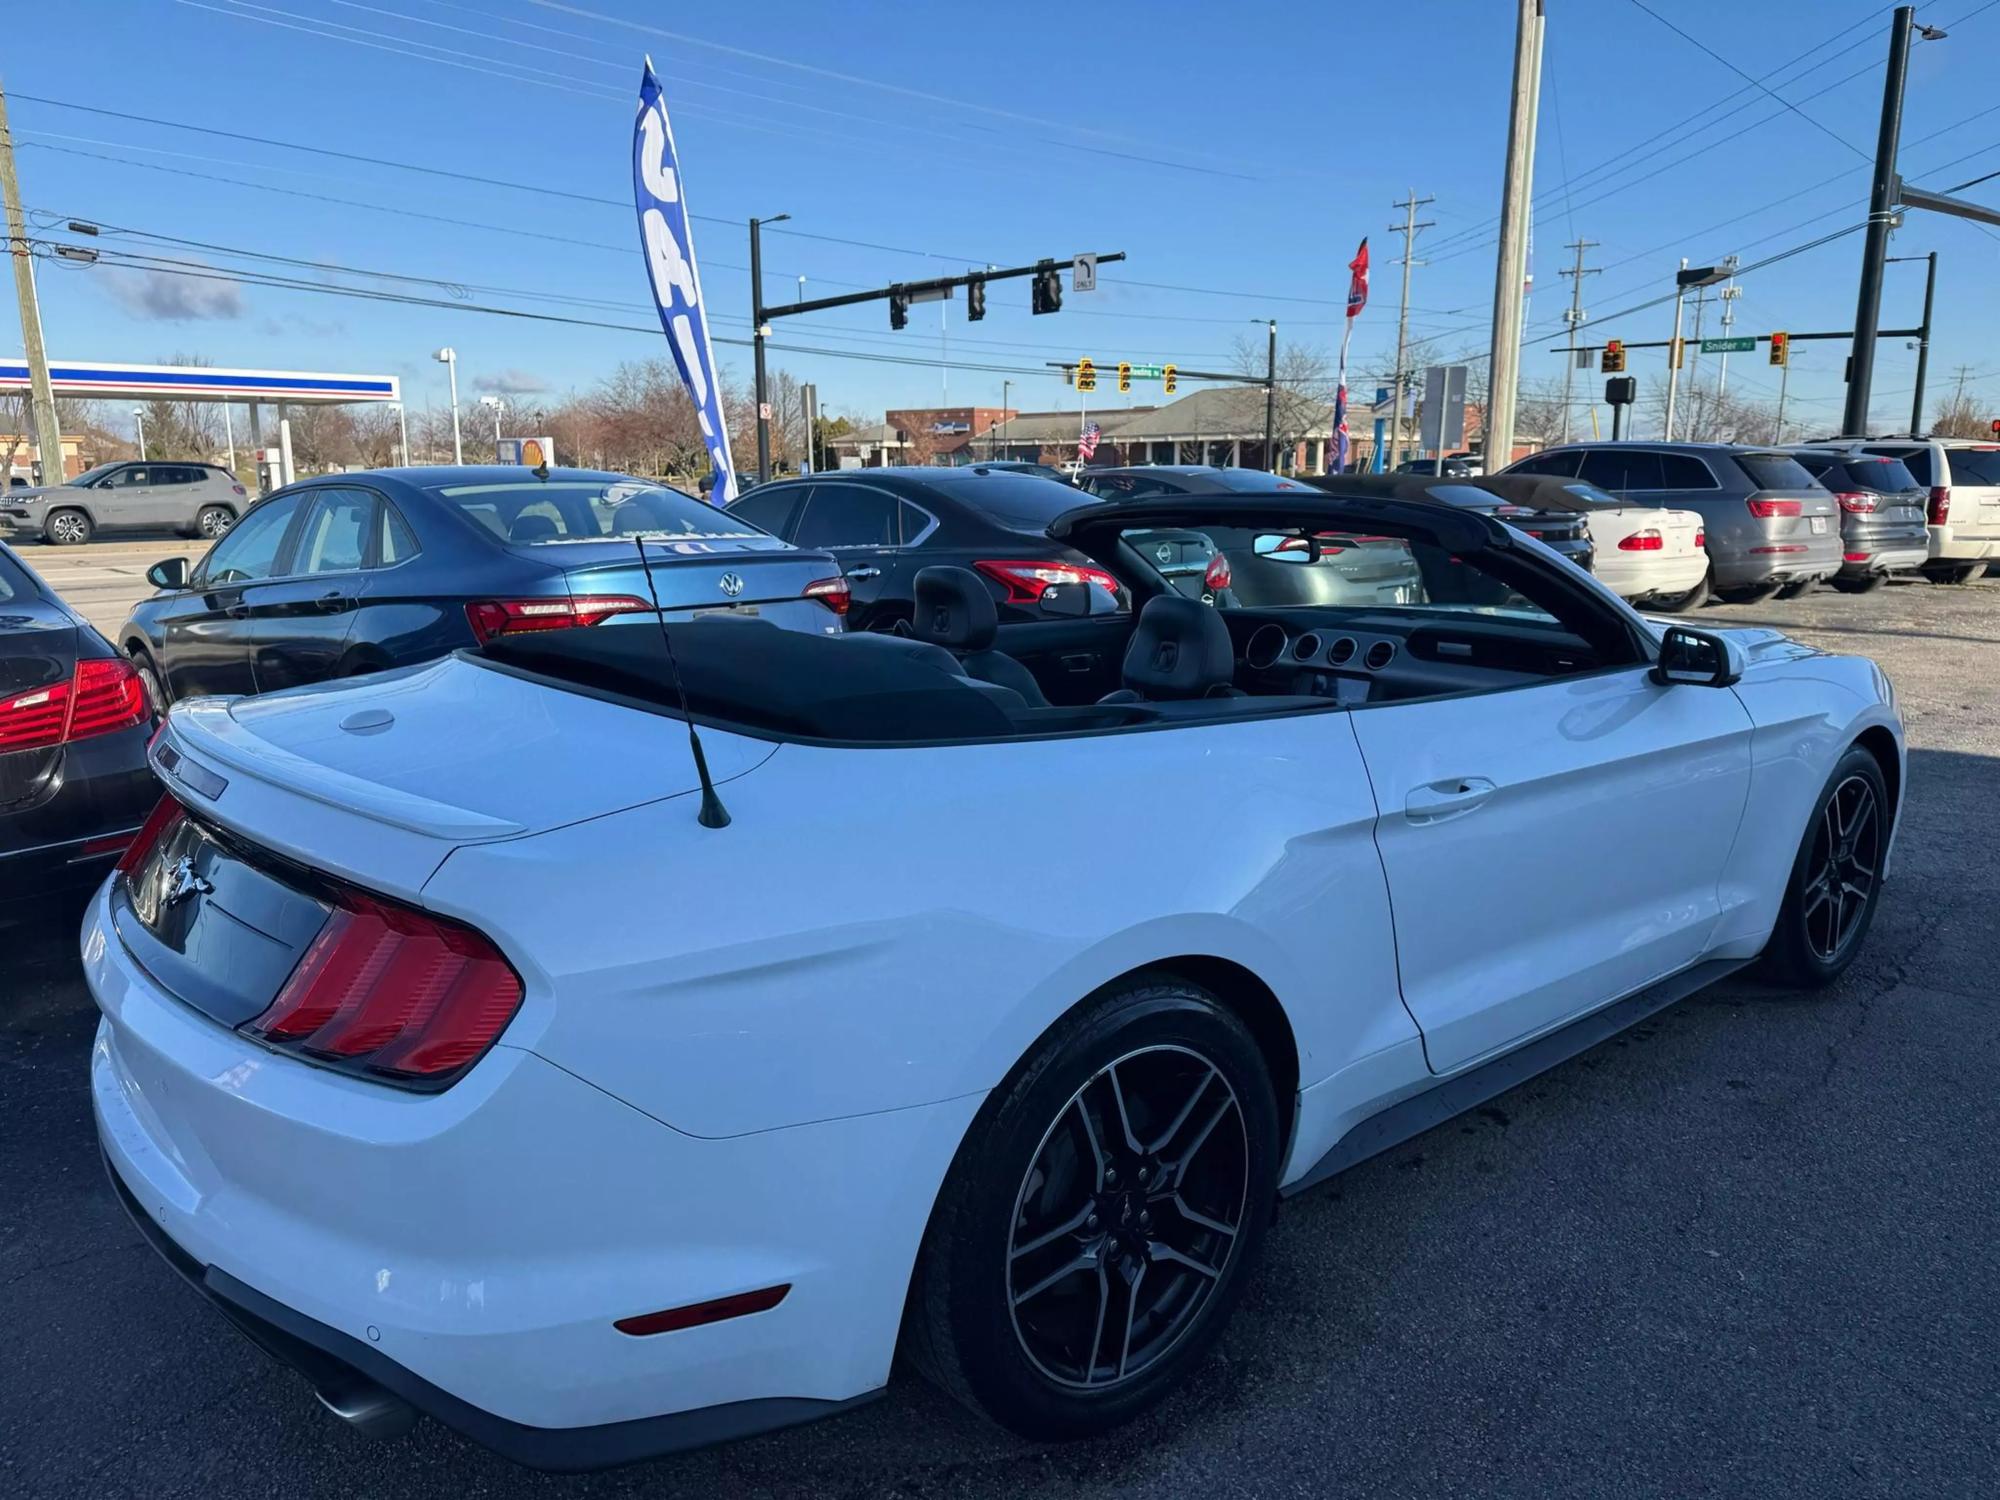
1026 582
1701 538
239 489
1854 557
1940 506
394 992
1765 510
166 812
1858 501
1643 541
1217 576
491 617
102 694
834 593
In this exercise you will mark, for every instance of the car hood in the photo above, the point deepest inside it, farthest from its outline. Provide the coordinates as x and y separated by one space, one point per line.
39 492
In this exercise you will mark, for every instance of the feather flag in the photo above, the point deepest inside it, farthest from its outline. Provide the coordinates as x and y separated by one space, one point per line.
1357 298
668 239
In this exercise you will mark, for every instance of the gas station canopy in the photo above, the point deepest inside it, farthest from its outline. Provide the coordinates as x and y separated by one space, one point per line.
101 380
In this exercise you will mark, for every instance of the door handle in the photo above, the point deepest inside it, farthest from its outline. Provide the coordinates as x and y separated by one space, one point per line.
864 572
1439 800
332 603
237 611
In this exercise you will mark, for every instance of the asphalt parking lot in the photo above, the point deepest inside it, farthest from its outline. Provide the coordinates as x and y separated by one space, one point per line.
1744 1249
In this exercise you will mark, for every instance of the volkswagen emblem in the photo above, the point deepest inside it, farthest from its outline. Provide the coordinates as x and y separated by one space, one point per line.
183 882
732 584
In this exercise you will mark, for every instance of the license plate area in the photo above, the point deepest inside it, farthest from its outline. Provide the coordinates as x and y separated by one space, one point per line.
1819 525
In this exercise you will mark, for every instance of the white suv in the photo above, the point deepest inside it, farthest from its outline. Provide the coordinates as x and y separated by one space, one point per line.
1963 476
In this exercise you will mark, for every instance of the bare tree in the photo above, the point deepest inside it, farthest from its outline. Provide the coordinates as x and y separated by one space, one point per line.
1961 416
183 429
1703 414
1306 380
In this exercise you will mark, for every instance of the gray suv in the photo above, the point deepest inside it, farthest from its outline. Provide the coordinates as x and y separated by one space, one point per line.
1769 527
195 499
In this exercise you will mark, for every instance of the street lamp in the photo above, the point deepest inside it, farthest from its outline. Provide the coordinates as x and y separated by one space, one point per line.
448 357
1684 279
498 406
139 426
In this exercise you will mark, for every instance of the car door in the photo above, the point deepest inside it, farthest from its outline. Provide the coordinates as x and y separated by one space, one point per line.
299 623
1554 847
862 527
206 633
128 500
171 504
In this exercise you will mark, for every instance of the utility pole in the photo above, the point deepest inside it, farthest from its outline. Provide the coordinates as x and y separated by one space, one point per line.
1728 294
1575 318
41 394
1517 186
1271 398
1006 394
1923 337
758 333
1881 200
1408 229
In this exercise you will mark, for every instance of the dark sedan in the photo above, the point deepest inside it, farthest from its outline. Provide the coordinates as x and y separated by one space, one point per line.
886 524
74 785
1139 481
352 573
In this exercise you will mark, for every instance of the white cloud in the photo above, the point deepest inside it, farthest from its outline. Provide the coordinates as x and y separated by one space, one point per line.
511 383
160 297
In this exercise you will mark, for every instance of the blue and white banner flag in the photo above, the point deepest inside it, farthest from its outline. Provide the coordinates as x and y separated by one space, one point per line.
668 237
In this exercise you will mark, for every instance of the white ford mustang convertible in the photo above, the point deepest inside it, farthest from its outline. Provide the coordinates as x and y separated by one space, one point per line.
622 1038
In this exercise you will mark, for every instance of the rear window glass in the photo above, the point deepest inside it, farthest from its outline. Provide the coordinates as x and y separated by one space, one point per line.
1974 465
1020 502
13 584
1883 475
532 512
1916 460
1774 471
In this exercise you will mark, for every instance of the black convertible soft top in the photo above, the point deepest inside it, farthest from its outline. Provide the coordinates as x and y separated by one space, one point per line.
750 674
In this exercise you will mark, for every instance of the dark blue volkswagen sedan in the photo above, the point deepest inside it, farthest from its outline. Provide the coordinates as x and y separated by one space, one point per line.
350 573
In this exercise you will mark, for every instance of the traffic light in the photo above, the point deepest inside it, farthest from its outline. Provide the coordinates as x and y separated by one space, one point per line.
1614 357
1167 378
899 310
975 301
1086 375
1048 288
1781 348
1124 376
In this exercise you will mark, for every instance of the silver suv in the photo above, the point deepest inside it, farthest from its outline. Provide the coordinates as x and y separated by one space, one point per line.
1963 506
1769 527
195 499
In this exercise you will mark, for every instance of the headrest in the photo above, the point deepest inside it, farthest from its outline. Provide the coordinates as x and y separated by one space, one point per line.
531 527
954 610
1179 649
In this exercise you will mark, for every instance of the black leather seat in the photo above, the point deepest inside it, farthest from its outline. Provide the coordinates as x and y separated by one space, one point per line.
1180 650
954 610
532 527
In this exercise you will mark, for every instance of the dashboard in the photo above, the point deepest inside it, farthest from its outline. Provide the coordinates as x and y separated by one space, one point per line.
1370 656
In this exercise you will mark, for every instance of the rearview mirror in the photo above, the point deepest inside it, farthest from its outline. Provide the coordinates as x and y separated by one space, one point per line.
1280 547
171 574
1697 657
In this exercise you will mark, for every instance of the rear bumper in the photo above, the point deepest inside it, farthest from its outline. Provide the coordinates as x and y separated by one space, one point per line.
1972 542
1646 575
467 1253
1817 557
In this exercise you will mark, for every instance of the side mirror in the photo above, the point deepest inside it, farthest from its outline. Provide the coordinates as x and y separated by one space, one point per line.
171 574
1068 601
1287 548
1697 657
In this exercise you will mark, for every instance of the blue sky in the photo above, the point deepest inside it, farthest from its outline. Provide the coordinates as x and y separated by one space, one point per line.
1242 149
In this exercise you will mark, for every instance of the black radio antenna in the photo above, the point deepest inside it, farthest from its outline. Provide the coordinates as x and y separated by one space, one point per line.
713 814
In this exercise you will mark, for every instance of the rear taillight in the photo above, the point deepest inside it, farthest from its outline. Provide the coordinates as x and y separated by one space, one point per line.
394 993
239 489
1939 511
1026 582
166 812
1217 577
491 617
1765 510
101 695
1643 541
1858 501
1701 538
834 593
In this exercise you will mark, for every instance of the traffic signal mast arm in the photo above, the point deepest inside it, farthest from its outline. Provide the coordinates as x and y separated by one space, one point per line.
916 291
1631 344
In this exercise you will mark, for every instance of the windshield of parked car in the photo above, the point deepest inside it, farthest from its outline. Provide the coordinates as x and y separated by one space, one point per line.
91 476
535 513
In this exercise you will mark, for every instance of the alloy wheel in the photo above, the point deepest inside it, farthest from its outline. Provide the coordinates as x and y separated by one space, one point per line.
212 523
68 530
1841 873
1128 1217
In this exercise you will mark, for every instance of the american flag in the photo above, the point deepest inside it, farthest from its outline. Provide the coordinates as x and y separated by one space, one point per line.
1086 446
1357 298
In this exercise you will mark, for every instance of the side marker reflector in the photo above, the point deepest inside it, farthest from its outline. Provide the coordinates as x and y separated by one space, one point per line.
697 1313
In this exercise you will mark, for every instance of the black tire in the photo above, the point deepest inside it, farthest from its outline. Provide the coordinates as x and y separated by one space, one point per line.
1016 1196
1755 594
156 691
1818 934
68 528
1680 604
1799 586
212 521
1863 585
1956 573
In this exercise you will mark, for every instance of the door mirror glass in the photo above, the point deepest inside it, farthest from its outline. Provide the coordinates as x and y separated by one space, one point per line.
1697 657
1069 601
171 574
1287 548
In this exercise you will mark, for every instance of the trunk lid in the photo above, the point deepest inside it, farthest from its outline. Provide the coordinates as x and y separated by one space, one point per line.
768 579
37 650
